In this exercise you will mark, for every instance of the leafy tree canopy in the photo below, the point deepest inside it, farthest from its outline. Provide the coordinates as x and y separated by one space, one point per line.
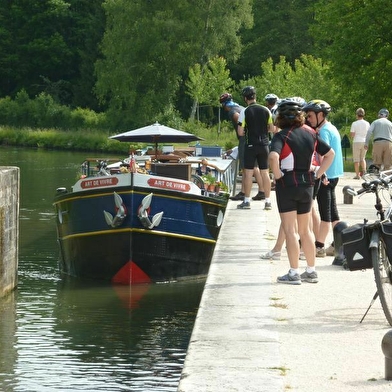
50 46
356 38
149 45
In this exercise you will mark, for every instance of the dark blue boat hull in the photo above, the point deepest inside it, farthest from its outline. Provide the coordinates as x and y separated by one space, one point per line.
179 247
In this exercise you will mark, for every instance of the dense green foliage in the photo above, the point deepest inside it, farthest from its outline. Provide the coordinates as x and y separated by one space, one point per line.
51 46
356 38
44 112
148 47
119 64
98 141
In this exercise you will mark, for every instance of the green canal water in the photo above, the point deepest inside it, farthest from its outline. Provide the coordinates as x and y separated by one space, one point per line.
59 334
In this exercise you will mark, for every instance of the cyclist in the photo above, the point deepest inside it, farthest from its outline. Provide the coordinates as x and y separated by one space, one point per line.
233 111
255 123
317 111
291 159
271 101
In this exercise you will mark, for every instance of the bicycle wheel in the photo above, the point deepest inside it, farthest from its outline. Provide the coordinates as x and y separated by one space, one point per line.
383 273
197 180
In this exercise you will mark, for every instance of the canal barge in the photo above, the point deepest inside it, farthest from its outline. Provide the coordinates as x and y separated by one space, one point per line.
143 219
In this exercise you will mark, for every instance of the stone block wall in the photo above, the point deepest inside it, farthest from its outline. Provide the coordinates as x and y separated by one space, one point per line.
9 228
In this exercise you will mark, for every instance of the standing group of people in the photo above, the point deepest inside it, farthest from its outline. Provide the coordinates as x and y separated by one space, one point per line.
305 158
253 132
381 132
295 140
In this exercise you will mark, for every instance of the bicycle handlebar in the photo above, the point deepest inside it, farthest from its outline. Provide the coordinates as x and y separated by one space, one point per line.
387 180
369 186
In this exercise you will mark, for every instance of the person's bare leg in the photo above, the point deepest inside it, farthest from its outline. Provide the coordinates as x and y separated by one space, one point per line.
289 224
279 241
307 238
247 181
266 182
356 168
315 222
259 179
323 231
363 166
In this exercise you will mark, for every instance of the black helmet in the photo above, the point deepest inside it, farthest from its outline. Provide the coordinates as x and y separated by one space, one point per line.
225 97
317 105
271 98
373 169
290 107
249 92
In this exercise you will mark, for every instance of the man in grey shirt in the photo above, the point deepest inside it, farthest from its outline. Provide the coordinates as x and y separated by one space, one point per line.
382 140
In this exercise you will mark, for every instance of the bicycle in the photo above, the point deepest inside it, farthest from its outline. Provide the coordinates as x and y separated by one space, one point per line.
373 242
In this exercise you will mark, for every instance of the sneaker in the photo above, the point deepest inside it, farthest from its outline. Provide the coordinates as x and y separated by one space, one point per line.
289 279
259 196
330 251
245 205
310 277
270 255
238 196
339 261
302 256
357 178
320 252
267 205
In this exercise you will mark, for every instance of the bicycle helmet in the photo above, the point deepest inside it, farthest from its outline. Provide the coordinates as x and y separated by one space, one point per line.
225 97
317 106
249 92
291 107
271 98
383 112
373 169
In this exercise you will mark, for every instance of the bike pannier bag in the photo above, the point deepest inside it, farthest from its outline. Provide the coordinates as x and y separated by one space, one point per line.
356 241
386 235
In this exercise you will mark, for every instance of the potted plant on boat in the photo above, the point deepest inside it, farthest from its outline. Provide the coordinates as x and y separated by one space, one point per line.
209 182
221 186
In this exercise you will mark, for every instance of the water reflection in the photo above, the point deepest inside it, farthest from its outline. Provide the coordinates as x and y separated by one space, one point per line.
63 334
69 336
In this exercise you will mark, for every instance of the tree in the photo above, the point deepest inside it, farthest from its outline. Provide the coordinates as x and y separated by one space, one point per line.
88 26
204 83
356 37
307 77
33 43
280 28
149 46
50 46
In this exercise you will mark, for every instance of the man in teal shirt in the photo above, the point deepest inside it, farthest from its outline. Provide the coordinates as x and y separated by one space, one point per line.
317 112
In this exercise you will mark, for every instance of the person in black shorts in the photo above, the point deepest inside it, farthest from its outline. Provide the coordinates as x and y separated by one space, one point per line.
291 159
233 111
254 123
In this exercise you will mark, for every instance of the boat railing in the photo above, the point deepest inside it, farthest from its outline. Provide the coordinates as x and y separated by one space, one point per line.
223 170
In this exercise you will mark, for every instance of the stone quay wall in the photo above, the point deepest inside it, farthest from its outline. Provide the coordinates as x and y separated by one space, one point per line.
9 228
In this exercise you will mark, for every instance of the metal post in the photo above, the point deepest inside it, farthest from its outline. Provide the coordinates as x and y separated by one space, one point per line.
386 346
347 198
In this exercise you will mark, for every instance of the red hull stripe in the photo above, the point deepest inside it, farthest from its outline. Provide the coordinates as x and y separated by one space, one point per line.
131 274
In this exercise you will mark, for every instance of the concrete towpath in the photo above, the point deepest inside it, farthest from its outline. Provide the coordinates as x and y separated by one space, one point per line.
252 334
